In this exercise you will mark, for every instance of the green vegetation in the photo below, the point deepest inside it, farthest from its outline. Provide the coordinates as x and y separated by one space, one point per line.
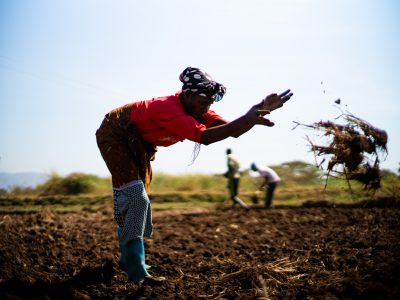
73 184
300 182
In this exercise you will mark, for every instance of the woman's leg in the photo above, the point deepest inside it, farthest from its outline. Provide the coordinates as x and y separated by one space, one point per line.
131 203
132 207
132 215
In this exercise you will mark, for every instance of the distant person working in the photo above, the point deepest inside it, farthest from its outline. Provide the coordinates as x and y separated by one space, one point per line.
233 175
271 180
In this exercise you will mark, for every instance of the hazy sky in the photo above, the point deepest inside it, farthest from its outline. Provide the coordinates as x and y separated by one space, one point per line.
64 64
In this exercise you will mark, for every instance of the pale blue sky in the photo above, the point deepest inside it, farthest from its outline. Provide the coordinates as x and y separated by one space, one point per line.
64 64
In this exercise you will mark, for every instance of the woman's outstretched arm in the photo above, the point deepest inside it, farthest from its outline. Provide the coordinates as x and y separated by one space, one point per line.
244 123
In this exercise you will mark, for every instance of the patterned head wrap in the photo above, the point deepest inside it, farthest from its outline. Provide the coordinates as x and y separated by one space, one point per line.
200 83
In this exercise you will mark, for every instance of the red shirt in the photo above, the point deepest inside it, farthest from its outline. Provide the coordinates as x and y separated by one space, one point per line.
162 121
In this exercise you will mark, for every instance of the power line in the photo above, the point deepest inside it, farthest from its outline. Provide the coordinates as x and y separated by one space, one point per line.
10 64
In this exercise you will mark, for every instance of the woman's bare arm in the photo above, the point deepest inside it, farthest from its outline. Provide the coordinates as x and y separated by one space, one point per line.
244 123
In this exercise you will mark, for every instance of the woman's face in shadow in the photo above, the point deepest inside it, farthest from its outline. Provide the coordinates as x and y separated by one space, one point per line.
196 105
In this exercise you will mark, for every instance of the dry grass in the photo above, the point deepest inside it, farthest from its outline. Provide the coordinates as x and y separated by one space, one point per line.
353 150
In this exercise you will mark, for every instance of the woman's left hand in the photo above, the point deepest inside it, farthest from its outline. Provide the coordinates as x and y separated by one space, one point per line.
256 116
274 101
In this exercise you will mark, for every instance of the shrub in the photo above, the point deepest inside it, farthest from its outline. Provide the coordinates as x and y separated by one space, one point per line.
73 184
299 172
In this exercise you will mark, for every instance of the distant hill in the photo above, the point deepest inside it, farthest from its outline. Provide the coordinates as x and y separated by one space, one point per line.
23 179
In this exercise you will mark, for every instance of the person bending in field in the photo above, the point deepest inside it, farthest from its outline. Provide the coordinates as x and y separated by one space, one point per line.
270 182
128 138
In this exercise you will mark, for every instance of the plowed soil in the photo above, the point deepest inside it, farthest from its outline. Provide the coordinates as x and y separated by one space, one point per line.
317 251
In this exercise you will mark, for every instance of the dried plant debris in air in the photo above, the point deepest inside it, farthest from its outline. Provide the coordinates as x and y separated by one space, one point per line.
353 150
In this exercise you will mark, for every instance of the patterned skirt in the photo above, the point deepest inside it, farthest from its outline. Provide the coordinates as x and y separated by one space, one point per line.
125 153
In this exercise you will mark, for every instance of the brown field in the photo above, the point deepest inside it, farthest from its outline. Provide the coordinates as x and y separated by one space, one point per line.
318 251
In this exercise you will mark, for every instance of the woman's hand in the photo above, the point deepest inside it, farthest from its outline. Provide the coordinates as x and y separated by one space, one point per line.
271 102
274 101
256 116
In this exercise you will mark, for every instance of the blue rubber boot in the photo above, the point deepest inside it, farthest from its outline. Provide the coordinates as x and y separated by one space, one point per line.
132 259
